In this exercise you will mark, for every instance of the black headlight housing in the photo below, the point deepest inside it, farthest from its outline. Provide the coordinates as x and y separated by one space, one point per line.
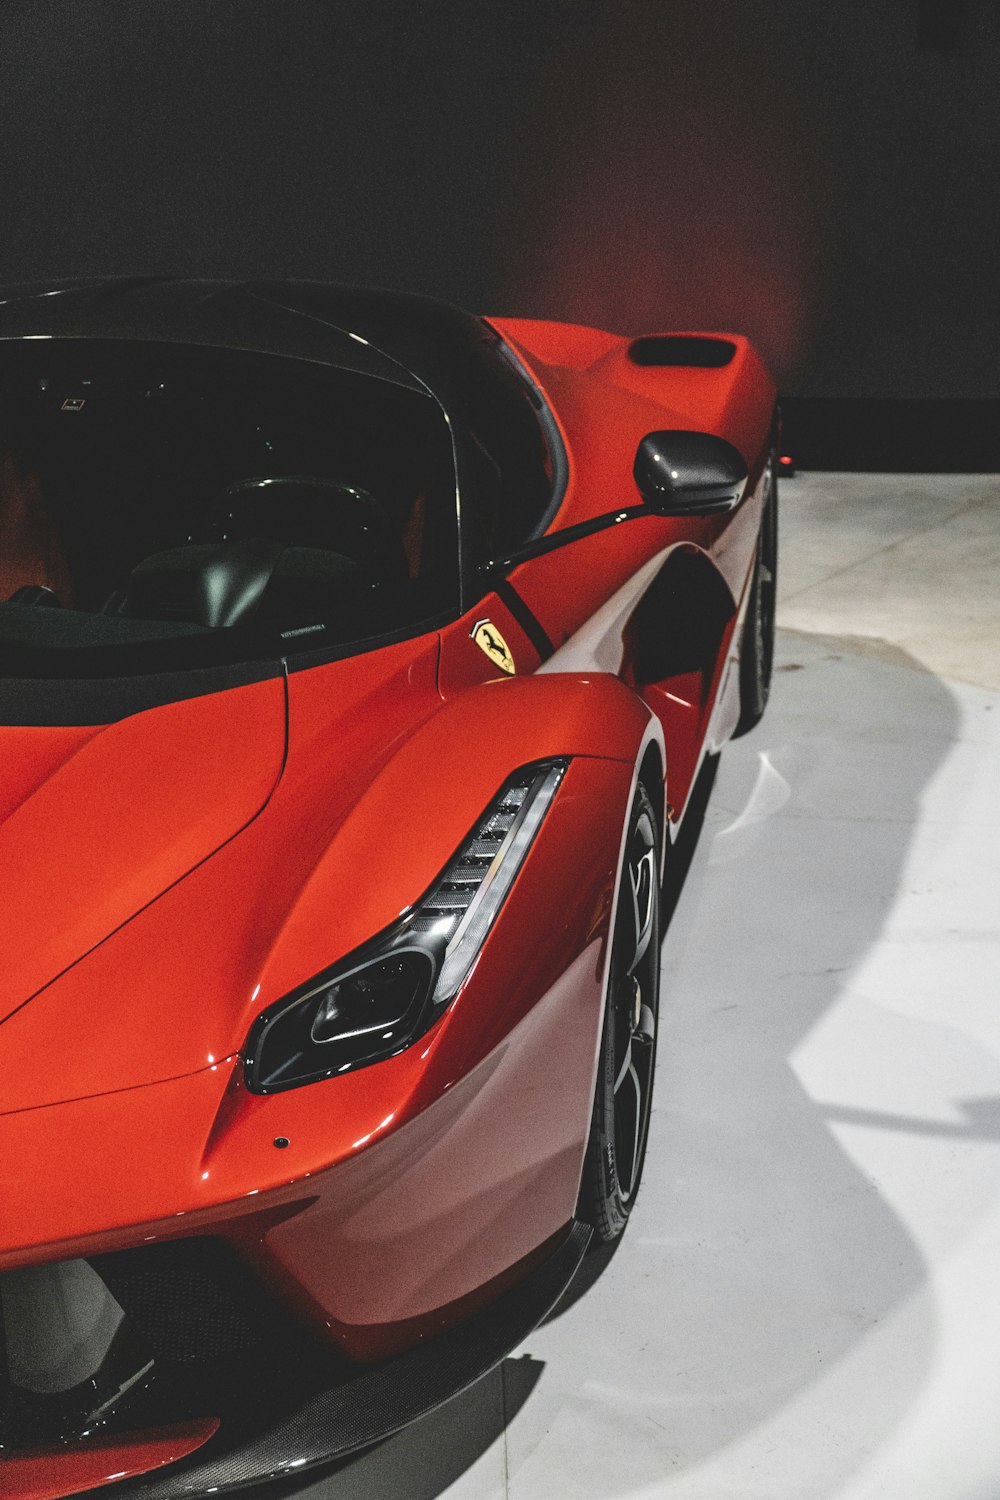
384 996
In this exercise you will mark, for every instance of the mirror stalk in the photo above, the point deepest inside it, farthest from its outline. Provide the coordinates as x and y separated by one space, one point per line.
555 539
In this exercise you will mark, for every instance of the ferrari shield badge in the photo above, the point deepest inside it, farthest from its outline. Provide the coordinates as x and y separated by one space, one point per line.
488 638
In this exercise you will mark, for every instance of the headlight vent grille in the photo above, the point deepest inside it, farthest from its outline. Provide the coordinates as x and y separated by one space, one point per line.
458 886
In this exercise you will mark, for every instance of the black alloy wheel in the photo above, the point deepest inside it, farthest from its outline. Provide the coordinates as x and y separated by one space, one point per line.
624 1091
757 644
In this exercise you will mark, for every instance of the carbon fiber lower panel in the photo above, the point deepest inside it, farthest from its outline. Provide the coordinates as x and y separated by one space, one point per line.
379 1401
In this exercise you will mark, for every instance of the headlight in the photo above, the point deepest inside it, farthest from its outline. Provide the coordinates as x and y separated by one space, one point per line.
385 995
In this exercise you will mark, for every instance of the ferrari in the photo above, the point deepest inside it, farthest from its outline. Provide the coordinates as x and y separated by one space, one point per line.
359 662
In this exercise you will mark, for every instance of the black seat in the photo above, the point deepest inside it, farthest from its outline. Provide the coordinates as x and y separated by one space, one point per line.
35 594
218 585
205 584
284 551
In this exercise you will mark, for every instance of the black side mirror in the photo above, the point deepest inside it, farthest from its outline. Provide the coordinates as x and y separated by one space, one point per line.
678 474
689 473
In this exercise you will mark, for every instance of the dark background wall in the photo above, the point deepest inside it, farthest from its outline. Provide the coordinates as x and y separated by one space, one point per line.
820 176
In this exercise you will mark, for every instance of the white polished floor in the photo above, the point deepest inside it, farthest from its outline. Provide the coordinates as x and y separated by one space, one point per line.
806 1305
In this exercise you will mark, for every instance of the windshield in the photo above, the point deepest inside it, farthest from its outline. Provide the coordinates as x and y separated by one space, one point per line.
166 506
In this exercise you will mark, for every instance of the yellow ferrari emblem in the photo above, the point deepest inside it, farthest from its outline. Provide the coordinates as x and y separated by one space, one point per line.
488 638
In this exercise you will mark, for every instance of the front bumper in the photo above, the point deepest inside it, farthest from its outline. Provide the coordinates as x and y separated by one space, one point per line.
334 1411
366 1407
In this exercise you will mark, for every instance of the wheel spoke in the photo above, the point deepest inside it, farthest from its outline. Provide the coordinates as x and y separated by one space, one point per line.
634 1160
641 878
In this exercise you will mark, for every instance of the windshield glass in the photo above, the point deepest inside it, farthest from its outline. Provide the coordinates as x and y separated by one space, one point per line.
166 506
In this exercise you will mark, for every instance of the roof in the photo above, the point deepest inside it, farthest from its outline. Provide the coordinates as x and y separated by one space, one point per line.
393 335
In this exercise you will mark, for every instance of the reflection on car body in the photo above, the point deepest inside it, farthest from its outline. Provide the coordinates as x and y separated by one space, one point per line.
358 660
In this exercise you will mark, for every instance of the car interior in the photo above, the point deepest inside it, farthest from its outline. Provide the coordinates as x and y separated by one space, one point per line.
157 492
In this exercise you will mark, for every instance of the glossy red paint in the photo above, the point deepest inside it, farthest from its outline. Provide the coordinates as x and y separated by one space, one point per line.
329 802
31 754
283 899
78 1467
109 818
142 1007
425 1142
474 1160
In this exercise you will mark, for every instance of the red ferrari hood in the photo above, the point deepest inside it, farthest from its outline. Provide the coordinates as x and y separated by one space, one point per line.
137 807
97 822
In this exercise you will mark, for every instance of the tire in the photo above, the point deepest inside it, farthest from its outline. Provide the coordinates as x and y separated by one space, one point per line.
757 643
623 1094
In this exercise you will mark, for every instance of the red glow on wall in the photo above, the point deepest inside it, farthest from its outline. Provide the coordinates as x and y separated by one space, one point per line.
674 181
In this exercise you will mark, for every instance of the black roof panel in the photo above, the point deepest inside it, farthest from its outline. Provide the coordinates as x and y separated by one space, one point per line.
394 335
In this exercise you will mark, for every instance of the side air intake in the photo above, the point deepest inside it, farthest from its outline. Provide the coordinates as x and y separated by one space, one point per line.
700 352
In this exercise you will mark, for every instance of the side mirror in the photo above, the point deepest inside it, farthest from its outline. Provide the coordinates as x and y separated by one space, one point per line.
689 473
678 474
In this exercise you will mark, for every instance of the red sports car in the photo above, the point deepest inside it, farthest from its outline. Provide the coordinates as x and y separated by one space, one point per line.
358 657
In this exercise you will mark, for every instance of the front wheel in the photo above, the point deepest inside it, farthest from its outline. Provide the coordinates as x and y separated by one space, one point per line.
623 1094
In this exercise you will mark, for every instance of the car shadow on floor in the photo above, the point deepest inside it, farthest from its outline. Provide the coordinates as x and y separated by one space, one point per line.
765 1256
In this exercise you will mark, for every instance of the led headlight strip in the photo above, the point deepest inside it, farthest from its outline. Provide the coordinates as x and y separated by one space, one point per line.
385 995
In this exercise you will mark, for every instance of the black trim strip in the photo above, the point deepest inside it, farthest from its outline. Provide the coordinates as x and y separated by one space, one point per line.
45 701
381 1400
528 621
552 540
42 701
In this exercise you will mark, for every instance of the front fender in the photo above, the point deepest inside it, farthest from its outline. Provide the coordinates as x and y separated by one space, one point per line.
405 826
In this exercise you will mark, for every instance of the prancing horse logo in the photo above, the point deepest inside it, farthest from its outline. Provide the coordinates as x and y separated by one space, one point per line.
488 638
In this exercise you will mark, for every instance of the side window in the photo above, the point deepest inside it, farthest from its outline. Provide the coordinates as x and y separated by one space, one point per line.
521 444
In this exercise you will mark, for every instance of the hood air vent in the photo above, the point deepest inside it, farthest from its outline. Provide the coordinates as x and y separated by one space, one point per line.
681 350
